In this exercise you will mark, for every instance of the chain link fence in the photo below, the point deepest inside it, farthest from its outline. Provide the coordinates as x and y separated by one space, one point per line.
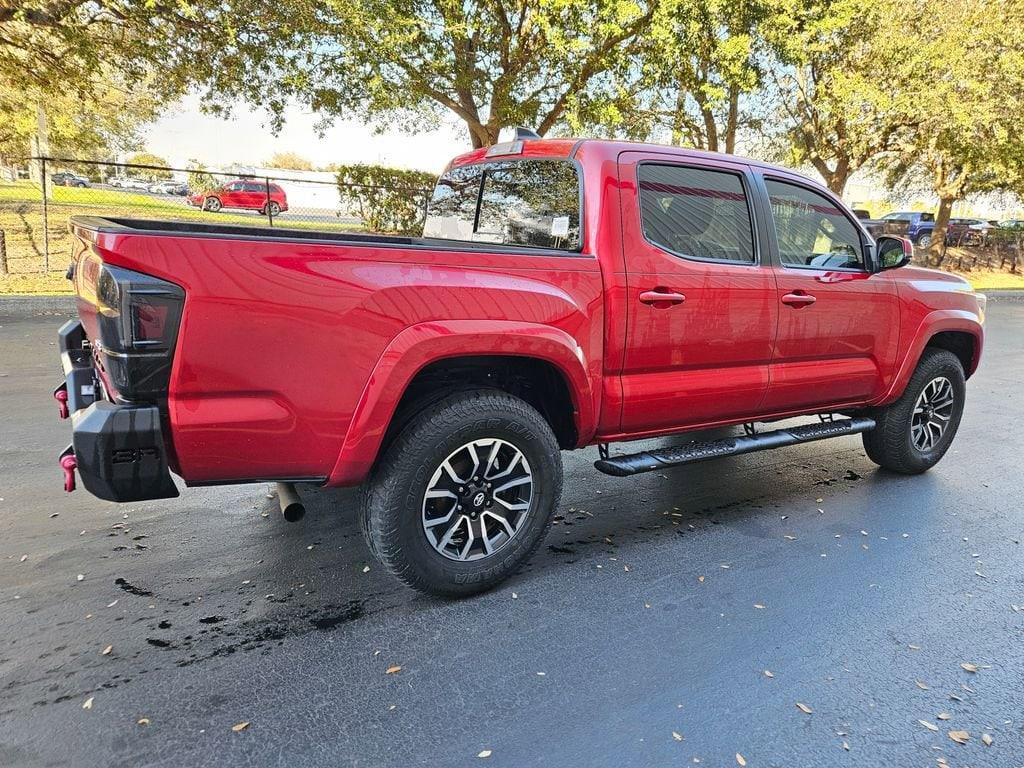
34 213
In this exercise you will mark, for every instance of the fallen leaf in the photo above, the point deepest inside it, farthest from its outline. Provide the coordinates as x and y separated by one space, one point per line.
768 673
929 726
80 577
484 753
88 703
700 579
24 558
960 737
968 667
366 569
789 538
944 716
758 605
240 726
106 651
677 736
804 708
392 669
846 746
142 721
921 685
740 759
913 647
986 739
515 596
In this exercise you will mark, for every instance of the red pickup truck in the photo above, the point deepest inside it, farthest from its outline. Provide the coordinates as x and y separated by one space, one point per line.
564 294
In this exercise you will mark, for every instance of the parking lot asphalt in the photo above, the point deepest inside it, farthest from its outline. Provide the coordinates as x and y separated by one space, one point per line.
788 608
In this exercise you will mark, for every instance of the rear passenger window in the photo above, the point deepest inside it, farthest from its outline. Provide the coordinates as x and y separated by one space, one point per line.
696 213
510 202
811 230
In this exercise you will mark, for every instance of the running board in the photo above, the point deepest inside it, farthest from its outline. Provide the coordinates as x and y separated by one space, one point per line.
647 461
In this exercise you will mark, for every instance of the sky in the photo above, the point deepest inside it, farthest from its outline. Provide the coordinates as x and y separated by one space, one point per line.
185 132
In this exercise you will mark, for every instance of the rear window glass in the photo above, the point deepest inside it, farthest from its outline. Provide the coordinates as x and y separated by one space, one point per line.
516 202
696 212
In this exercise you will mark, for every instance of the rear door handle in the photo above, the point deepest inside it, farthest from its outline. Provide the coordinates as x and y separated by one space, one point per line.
798 299
662 297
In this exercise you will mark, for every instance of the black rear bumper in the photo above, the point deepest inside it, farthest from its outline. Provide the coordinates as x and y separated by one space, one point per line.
119 450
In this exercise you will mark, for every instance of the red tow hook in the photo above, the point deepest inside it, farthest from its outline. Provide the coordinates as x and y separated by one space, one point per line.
61 396
69 464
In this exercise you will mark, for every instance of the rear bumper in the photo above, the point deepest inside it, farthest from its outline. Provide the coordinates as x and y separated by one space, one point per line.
119 450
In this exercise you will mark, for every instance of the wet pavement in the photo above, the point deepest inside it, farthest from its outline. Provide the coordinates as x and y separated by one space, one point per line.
668 619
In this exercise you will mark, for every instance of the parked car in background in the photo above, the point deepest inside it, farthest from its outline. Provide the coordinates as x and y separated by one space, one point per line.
169 188
961 231
1010 224
139 185
861 213
247 194
68 179
919 225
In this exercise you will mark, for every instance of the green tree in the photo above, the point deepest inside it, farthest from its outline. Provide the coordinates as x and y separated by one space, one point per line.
289 161
108 122
699 63
851 76
969 138
199 179
491 63
145 158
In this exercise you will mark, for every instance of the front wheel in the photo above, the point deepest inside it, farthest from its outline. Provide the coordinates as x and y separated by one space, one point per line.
464 494
211 204
924 240
912 434
273 209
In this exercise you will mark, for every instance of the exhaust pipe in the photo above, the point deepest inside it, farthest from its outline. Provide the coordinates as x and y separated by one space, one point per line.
291 505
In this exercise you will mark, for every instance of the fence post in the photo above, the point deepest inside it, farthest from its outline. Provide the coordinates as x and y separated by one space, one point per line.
3 253
46 219
270 213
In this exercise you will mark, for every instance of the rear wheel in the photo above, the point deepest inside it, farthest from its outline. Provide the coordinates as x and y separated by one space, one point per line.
464 494
912 434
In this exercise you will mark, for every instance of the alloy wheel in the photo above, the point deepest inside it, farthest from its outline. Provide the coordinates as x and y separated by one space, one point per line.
477 500
932 413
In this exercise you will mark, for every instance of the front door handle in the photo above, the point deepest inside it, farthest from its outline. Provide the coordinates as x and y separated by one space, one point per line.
661 296
798 299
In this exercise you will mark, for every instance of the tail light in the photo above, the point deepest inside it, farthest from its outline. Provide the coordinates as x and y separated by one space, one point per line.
138 317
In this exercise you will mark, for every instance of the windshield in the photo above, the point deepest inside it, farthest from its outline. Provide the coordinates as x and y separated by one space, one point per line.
510 202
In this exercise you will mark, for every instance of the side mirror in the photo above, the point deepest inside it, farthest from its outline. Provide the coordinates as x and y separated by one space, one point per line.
892 252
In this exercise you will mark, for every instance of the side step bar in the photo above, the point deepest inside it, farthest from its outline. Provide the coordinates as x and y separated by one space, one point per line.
647 461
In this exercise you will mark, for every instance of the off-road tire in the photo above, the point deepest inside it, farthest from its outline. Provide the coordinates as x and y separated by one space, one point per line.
392 503
890 443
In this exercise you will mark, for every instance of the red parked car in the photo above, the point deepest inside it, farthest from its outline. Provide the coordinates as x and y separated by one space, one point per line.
247 194
565 294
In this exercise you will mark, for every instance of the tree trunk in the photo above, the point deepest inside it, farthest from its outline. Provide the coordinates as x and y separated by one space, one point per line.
40 146
937 251
732 121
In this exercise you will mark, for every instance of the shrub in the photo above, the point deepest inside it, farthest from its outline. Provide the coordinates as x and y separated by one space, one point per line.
386 199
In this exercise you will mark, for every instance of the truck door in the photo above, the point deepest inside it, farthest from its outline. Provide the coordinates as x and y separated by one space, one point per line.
838 321
701 304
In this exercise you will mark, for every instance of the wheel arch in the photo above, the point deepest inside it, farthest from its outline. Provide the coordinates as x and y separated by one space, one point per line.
958 331
543 365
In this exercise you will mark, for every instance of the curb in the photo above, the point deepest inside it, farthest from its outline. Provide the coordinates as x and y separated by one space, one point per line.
1003 294
24 305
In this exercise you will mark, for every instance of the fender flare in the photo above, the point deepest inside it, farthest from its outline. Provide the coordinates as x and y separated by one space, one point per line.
935 322
419 345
